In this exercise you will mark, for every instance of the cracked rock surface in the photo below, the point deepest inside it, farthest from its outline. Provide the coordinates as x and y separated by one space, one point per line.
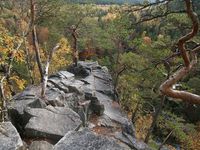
80 114
9 137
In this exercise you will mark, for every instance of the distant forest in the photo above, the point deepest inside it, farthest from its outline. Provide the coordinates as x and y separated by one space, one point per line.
109 1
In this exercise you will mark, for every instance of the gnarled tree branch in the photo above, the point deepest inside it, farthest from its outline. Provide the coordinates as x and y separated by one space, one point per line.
182 40
166 87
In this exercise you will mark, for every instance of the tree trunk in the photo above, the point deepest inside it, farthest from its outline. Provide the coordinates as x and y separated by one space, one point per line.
3 99
75 50
28 64
46 70
37 52
166 87
155 118
35 40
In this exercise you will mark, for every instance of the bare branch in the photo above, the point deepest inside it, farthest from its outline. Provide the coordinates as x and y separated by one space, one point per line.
142 7
152 17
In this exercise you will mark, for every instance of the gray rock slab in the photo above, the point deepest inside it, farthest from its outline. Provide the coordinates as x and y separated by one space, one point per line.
40 145
16 111
56 82
99 84
71 100
105 121
30 92
75 86
55 97
66 85
19 106
37 103
66 75
51 122
9 137
131 141
63 75
111 110
86 140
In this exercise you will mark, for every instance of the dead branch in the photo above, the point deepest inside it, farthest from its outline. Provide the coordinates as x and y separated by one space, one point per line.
165 140
74 34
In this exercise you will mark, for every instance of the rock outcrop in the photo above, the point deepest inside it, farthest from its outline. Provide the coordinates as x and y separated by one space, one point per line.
80 113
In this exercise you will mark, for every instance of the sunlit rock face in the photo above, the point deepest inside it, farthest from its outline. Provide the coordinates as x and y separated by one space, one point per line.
85 139
78 112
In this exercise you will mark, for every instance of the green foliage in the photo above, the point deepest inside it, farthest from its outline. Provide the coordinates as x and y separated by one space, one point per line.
194 84
170 122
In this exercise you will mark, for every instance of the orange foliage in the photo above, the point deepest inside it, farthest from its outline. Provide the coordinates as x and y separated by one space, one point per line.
61 57
110 16
194 140
22 26
142 126
147 40
9 50
86 54
43 34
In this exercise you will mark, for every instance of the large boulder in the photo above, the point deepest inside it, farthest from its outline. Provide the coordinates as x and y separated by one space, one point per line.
9 137
51 122
17 106
86 140
24 99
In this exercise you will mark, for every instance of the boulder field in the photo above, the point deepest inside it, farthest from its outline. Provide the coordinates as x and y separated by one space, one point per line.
78 113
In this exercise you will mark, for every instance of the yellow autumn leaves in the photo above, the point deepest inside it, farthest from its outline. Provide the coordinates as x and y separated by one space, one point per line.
9 49
61 57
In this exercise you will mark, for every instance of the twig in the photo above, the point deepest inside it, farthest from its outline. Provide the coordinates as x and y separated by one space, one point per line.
165 140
